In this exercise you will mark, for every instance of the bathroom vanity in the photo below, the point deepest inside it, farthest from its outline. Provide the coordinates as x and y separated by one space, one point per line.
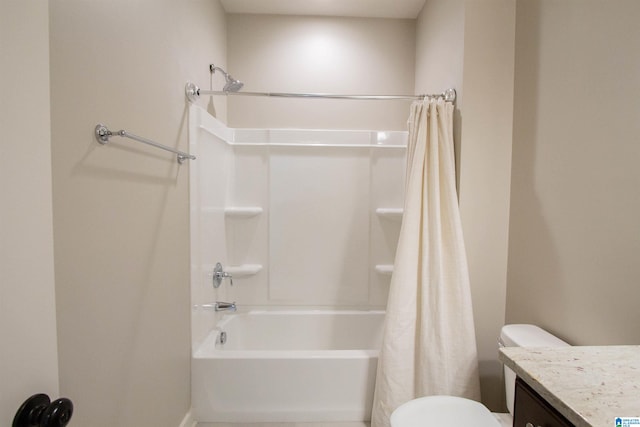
574 386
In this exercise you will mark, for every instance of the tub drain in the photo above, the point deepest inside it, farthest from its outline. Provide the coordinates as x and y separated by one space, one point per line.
222 338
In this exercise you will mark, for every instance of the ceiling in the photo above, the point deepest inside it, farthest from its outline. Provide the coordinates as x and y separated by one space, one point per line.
358 8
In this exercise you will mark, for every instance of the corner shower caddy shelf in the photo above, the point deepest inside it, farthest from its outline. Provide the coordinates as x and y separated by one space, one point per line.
385 269
391 213
243 212
243 269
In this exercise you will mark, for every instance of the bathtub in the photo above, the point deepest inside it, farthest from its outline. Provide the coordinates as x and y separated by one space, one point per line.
288 366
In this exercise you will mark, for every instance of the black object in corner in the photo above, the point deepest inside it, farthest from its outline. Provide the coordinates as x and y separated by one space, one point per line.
40 411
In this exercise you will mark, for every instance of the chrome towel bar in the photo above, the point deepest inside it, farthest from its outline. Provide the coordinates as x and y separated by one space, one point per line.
103 134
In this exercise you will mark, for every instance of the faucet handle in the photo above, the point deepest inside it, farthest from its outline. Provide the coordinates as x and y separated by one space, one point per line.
219 274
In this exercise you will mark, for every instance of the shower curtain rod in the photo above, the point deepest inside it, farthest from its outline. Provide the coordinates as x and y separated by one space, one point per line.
193 92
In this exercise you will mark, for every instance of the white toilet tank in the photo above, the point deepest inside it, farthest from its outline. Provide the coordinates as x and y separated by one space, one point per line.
523 336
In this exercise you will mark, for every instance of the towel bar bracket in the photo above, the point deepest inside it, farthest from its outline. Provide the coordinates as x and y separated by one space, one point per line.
102 134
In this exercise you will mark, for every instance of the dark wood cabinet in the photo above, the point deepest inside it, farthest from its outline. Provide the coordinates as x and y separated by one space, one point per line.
531 410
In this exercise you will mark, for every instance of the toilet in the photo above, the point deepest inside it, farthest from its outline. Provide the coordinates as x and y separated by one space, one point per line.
435 411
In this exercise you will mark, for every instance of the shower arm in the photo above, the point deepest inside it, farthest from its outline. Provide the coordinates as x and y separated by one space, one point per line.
213 68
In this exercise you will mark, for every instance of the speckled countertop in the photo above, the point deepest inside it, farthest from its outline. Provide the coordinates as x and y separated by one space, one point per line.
590 386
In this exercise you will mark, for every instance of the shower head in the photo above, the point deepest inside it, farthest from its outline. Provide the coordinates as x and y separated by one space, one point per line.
231 84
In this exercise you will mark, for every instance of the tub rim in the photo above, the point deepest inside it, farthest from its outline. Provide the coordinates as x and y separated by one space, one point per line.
206 351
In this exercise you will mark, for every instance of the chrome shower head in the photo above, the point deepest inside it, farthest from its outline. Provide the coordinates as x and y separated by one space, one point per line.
231 84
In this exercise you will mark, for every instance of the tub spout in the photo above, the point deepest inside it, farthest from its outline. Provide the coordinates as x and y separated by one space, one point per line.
224 306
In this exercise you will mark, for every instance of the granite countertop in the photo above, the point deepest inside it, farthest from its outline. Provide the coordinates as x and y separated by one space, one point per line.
590 386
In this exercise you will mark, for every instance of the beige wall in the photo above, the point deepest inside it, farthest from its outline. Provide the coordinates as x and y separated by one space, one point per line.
575 233
485 171
27 299
121 211
440 55
440 47
468 45
320 54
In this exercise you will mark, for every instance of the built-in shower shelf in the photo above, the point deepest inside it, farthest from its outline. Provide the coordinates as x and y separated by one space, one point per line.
391 213
386 269
244 212
243 269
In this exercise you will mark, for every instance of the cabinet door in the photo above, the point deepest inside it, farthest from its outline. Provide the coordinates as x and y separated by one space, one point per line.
531 410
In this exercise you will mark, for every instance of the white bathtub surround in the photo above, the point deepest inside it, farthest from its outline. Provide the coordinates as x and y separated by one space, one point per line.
288 367
299 217
429 342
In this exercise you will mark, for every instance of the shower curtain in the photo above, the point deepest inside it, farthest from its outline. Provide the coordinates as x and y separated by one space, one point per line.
429 345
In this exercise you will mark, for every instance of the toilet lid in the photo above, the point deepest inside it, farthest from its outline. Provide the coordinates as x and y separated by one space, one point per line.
442 411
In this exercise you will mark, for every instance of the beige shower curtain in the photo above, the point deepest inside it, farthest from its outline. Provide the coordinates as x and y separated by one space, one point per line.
429 345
